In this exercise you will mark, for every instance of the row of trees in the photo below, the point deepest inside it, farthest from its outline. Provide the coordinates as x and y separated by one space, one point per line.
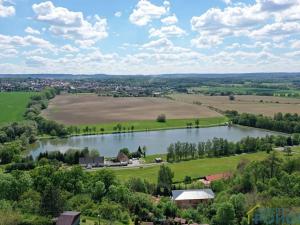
221 147
288 123
70 157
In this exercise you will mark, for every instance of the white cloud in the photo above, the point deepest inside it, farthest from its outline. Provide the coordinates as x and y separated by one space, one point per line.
28 40
69 48
274 19
6 11
168 31
276 30
295 44
206 41
118 14
145 12
276 5
36 61
30 30
170 20
227 1
71 25
47 12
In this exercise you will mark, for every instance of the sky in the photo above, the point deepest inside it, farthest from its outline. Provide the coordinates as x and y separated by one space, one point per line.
149 36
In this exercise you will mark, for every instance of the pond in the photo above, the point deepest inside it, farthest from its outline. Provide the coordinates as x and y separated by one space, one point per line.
156 141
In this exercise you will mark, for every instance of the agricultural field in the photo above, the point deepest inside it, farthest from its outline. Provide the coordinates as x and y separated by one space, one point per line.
269 89
266 105
13 106
85 109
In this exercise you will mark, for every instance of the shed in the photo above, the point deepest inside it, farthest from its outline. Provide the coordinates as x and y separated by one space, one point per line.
69 218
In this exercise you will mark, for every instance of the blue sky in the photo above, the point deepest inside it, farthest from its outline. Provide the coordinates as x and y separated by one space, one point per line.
149 36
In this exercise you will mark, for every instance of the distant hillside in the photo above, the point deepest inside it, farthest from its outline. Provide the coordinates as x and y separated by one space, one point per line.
166 76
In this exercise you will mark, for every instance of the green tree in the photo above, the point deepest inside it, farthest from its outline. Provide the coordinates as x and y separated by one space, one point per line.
51 201
164 181
98 190
225 214
30 202
239 204
108 177
161 118
197 123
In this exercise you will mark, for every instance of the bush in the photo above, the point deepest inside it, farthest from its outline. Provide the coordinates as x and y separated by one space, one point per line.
231 97
161 118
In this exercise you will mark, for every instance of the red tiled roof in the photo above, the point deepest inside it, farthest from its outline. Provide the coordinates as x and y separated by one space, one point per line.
219 176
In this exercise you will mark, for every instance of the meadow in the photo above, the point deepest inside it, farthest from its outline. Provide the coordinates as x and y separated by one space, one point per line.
13 106
193 168
266 105
146 125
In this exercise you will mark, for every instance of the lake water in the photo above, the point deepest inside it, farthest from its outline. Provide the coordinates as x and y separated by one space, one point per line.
156 141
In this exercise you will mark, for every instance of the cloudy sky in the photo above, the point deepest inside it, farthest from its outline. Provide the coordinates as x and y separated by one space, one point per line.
149 36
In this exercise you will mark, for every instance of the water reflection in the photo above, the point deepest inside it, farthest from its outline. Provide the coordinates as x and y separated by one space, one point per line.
155 141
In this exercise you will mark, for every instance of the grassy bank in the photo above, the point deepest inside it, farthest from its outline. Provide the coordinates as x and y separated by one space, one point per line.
193 168
13 106
145 125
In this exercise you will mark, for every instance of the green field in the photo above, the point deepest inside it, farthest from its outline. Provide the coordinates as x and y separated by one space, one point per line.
13 106
193 168
154 125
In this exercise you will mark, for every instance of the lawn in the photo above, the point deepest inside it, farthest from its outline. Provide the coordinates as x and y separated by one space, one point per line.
144 125
193 168
13 106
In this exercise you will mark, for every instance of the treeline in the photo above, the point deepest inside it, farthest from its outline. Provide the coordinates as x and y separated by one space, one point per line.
218 147
15 137
47 190
70 157
287 123
39 102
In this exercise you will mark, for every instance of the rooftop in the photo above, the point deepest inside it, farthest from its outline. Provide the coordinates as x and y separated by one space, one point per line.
219 176
196 194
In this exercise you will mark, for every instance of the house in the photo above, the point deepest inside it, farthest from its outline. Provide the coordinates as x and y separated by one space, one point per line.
191 198
68 218
91 161
122 158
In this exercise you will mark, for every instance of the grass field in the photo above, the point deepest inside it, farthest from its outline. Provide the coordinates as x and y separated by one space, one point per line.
91 109
267 105
13 106
193 168
153 125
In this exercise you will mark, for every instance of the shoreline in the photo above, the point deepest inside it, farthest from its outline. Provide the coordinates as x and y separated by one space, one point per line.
138 130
